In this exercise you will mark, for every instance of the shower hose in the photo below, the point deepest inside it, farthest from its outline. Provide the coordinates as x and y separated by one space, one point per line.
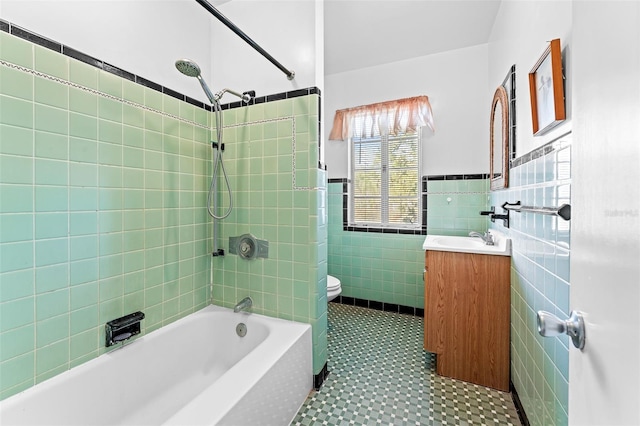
217 166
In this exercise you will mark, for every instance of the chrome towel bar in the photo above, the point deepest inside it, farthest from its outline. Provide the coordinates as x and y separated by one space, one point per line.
564 211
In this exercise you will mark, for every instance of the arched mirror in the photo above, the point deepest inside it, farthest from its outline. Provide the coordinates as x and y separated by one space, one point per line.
499 140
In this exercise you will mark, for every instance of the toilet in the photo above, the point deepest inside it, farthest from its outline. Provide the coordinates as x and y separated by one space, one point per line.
333 288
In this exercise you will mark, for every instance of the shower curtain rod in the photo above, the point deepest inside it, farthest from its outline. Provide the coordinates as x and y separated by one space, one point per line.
215 12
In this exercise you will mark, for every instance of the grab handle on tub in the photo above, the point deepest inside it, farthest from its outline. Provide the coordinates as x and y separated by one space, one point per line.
123 328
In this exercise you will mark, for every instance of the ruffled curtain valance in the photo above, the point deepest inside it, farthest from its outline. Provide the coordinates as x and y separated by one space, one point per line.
392 117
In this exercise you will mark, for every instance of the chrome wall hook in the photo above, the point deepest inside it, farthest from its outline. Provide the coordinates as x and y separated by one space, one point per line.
550 325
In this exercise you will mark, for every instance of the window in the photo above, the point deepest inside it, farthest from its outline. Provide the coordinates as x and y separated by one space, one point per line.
385 179
384 148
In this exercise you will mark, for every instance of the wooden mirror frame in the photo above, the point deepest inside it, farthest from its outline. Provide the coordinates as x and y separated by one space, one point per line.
509 84
499 180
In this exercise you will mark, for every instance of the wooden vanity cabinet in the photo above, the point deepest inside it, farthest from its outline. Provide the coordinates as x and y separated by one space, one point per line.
467 316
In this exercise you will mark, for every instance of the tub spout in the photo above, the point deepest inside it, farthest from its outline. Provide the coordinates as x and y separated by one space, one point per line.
243 305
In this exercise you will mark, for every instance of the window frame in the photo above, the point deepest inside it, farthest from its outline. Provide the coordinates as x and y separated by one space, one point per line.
384 225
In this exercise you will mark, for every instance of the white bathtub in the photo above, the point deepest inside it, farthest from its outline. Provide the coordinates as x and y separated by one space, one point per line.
196 371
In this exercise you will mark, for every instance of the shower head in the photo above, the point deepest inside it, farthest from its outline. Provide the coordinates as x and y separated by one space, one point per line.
188 67
191 69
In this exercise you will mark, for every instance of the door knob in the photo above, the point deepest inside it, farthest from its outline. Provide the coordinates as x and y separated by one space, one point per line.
550 325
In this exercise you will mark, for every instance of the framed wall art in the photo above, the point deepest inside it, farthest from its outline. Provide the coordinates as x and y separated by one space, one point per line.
546 87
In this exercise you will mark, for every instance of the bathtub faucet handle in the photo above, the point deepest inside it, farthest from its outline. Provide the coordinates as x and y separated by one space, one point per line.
243 305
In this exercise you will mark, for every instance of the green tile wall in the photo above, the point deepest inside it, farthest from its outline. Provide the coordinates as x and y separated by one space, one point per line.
271 157
373 266
103 185
453 206
388 267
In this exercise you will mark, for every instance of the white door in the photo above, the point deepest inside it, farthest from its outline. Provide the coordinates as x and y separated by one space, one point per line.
604 378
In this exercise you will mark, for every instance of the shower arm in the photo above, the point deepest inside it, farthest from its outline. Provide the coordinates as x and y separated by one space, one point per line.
246 97
215 12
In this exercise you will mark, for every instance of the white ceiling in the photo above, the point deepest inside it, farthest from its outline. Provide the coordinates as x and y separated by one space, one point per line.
365 33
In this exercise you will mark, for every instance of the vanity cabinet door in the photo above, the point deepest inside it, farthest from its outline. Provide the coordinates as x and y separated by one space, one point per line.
467 316
434 309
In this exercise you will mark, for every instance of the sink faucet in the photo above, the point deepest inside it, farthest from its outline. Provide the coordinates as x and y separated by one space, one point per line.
243 305
486 237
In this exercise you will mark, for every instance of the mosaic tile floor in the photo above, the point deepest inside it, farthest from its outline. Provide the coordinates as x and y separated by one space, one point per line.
379 374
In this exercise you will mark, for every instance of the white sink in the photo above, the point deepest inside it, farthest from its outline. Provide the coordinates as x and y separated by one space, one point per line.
501 247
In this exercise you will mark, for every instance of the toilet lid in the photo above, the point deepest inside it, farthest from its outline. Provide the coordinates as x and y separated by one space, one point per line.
332 283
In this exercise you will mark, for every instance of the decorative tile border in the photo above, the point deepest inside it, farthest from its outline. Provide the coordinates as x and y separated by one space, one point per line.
90 60
32 37
99 93
386 230
288 95
456 177
449 178
318 379
175 117
293 146
277 97
518 404
379 306
98 63
555 145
